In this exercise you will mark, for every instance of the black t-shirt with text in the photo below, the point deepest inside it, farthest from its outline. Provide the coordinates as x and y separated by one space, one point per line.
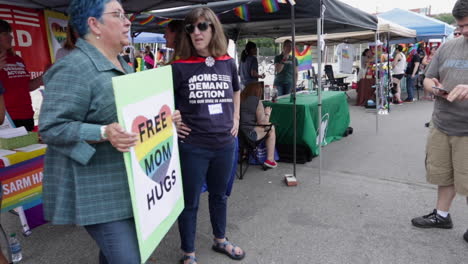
416 58
204 89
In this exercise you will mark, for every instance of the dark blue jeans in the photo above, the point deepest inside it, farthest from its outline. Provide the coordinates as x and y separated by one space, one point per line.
410 86
283 88
117 242
199 165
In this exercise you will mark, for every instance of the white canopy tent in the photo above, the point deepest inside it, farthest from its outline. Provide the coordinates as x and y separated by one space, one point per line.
384 26
385 30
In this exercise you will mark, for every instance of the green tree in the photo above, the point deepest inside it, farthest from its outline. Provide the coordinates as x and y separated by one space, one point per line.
445 17
265 46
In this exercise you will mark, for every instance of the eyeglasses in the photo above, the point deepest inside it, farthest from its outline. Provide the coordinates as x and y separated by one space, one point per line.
118 14
457 34
202 26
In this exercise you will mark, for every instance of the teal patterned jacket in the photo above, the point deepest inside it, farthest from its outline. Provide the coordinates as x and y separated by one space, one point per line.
84 183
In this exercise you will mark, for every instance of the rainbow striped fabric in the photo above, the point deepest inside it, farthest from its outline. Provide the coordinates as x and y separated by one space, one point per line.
270 6
242 12
164 22
132 17
146 21
22 184
304 58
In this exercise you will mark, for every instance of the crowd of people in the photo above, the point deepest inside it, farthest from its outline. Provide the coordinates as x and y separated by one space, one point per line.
407 63
78 120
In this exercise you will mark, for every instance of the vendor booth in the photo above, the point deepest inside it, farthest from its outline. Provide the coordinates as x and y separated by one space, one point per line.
426 27
338 16
384 26
336 119
304 19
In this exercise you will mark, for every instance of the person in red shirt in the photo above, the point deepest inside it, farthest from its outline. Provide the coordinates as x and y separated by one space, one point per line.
16 81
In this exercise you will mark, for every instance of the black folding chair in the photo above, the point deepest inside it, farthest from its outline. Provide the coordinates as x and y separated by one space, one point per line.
249 147
336 84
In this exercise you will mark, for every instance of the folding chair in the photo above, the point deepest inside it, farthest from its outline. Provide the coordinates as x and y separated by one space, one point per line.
335 84
248 147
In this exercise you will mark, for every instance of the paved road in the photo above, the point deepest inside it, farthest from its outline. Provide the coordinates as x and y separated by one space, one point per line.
372 184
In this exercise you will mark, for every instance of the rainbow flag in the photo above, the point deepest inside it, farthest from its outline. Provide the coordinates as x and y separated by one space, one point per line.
132 17
164 22
22 184
242 12
304 59
270 6
412 50
146 21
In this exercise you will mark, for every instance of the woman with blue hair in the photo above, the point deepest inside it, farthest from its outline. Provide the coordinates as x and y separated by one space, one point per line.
85 181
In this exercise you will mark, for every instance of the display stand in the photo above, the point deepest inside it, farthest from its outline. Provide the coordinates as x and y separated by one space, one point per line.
21 179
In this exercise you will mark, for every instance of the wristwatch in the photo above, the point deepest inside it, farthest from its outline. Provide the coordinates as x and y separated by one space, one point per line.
103 132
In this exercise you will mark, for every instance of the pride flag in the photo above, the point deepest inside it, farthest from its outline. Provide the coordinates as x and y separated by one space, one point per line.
164 22
132 17
304 58
242 12
146 21
270 6
22 184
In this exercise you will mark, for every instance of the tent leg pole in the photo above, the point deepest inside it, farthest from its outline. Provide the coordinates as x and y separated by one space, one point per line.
377 84
291 180
319 91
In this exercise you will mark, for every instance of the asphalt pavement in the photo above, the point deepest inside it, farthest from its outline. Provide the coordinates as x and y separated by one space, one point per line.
356 210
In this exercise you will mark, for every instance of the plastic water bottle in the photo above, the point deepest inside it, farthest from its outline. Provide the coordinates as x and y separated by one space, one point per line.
267 93
274 94
15 247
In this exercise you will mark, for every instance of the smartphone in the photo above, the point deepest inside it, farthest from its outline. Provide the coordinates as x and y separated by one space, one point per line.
440 89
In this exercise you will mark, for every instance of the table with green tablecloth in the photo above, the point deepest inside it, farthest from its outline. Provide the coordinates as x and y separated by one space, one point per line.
335 115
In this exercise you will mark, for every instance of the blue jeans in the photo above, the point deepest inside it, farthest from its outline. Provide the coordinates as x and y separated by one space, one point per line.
117 242
410 86
283 88
199 164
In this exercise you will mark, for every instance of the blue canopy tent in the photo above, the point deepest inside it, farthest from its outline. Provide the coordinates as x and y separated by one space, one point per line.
426 27
146 37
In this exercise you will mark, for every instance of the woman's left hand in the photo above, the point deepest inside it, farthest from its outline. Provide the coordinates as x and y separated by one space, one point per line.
235 128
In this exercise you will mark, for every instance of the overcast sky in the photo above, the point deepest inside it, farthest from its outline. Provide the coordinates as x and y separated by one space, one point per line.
437 6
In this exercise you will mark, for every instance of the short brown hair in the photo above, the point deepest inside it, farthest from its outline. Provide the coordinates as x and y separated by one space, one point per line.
252 89
460 9
218 43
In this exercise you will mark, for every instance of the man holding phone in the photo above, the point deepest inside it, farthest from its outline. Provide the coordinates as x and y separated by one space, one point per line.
447 144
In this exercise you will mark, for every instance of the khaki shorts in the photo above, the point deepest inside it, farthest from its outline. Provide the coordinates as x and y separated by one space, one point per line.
447 160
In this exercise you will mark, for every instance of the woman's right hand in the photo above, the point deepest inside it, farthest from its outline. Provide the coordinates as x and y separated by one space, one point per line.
182 129
119 138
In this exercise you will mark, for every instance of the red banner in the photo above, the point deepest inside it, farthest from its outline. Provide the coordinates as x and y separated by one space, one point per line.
29 36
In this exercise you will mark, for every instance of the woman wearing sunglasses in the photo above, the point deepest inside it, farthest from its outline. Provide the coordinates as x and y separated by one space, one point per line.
207 94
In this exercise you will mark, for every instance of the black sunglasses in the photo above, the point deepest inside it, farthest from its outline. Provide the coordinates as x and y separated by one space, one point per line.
457 34
202 26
